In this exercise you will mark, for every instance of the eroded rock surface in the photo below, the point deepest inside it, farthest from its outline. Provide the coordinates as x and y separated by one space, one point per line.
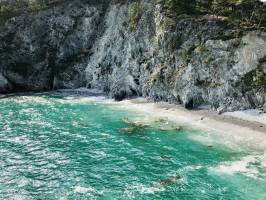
189 60
4 84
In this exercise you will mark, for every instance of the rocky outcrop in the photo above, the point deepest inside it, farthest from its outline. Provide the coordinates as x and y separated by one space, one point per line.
4 84
49 49
189 60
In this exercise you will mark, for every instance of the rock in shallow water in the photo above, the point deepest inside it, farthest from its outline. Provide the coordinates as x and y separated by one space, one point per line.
127 130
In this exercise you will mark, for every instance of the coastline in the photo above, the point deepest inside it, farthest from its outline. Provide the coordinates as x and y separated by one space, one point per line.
240 127
237 127
92 123
242 130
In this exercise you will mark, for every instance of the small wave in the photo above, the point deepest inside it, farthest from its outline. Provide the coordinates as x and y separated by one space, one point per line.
32 99
99 154
80 92
82 190
80 100
147 190
212 139
191 168
18 197
248 166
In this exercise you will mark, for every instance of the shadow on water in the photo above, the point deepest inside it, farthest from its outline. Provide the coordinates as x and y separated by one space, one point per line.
58 94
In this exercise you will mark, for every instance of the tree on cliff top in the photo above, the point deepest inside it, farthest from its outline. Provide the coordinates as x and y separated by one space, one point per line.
9 8
238 11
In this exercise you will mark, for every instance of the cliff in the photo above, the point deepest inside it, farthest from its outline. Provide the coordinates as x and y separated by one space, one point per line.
135 49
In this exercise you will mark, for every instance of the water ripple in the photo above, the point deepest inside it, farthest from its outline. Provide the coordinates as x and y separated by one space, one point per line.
69 148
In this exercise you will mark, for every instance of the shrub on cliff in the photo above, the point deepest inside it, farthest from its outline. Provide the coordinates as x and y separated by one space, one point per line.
135 16
10 8
239 12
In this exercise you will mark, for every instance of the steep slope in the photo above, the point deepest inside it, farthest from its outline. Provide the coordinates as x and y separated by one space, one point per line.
131 48
47 50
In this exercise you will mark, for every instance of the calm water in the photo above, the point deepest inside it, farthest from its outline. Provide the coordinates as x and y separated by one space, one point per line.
65 148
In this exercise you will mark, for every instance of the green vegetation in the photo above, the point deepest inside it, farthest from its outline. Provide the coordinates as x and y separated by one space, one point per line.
166 74
209 60
156 76
135 16
11 8
166 23
214 84
178 6
249 13
259 78
174 43
171 77
186 52
242 13
201 49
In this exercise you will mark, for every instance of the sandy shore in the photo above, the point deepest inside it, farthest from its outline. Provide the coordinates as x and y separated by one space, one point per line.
245 127
246 130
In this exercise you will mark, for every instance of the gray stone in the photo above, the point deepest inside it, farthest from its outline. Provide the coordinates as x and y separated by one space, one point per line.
4 84
193 61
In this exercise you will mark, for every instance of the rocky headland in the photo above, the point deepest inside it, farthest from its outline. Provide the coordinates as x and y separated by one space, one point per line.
132 49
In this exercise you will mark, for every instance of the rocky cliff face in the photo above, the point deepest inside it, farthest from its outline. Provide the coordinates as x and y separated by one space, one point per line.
127 49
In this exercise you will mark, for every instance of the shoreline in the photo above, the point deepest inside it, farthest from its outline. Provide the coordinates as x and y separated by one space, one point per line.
250 133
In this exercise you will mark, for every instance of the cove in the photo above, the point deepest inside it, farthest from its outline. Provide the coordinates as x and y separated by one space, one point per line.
56 147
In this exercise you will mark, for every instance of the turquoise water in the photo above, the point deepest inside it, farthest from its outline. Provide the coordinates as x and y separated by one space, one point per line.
67 148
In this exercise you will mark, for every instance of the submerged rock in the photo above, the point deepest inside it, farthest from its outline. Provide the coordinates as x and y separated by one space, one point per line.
165 158
135 124
169 180
127 130
165 125
125 120
172 128
162 120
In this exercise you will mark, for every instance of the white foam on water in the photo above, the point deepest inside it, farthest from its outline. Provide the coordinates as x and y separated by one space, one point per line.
83 190
81 100
248 165
17 140
230 134
88 191
100 154
175 114
18 197
104 134
23 182
80 95
33 99
263 161
213 139
191 168
236 138
147 190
